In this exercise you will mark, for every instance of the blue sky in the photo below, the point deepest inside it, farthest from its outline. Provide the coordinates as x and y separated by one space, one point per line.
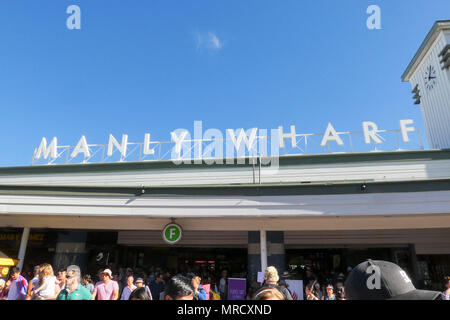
155 66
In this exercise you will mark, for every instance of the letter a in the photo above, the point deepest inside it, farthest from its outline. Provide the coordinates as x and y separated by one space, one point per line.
331 135
374 281
73 21
374 21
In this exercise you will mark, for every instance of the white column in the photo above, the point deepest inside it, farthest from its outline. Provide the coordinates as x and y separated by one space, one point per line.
263 245
23 247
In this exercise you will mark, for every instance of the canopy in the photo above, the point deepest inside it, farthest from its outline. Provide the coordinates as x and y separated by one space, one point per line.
6 261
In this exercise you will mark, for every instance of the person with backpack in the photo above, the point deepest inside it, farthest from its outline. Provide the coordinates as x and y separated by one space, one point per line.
271 279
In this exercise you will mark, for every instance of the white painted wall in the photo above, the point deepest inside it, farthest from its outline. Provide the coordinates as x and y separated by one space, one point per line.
435 103
376 171
368 204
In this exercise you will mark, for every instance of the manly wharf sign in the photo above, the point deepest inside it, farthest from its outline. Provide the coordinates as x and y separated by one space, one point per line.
213 147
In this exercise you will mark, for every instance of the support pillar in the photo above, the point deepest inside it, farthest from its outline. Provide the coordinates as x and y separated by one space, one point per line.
253 254
263 246
23 247
275 252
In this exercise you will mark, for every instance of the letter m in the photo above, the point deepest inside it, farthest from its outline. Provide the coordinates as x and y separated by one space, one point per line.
226 309
50 150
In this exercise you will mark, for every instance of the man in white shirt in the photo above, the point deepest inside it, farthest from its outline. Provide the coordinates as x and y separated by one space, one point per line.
128 289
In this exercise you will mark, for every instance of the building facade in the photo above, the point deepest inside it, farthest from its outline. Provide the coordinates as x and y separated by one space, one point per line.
330 211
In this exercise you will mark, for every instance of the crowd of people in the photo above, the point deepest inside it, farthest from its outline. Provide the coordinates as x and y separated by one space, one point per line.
129 284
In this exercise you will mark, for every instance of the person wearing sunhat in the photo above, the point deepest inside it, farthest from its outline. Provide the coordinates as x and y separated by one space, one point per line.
271 279
106 289
383 280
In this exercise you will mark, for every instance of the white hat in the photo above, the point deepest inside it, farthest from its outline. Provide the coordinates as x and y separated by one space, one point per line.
108 272
271 274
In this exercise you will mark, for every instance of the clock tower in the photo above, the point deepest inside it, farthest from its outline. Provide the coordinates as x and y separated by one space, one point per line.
429 75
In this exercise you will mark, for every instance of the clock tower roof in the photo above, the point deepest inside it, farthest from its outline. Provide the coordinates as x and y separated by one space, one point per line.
438 26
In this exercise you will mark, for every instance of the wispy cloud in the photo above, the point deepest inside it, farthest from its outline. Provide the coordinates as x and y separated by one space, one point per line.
208 41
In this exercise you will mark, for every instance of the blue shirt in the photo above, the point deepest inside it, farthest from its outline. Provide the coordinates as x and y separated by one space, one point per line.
201 293
156 289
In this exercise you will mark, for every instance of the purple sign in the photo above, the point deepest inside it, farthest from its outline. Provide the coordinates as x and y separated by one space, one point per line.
237 288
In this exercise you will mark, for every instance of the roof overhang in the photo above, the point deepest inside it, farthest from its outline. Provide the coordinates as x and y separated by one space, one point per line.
426 44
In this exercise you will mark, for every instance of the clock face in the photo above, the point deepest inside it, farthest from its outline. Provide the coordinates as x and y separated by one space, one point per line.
430 77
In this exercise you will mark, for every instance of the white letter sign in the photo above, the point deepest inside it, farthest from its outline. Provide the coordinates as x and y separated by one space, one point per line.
51 150
121 147
331 135
287 135
405 129
370 132
81 146
178 140
243 137
147 149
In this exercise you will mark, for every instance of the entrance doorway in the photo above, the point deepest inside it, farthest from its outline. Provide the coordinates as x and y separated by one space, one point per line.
200 261
330 263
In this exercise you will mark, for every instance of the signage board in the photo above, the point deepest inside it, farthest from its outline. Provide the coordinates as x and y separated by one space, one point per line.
172 233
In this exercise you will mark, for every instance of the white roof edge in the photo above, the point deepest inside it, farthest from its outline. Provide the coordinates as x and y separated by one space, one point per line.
425 46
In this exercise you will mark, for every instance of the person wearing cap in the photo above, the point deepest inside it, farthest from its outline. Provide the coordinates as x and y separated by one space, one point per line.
329 293
271 279
74 290
128 289
383 280
106 289
140 284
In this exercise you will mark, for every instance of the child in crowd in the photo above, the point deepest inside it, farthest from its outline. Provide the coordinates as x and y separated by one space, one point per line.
47 283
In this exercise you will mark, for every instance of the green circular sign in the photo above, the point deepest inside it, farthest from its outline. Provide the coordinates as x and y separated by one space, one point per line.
172 233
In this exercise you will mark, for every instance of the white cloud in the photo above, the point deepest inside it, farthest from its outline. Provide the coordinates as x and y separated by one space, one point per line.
213 41
208 41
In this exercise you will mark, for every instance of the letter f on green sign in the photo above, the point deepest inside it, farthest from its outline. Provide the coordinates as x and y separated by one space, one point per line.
172 233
